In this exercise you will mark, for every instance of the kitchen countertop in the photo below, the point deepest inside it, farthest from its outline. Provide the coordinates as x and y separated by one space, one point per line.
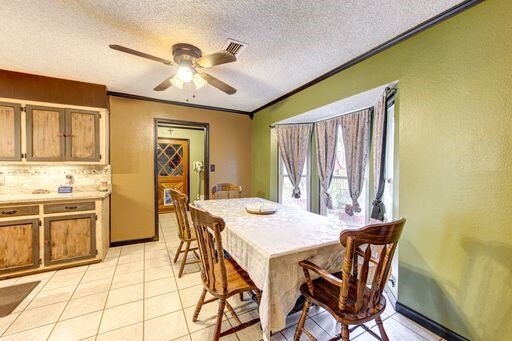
28 197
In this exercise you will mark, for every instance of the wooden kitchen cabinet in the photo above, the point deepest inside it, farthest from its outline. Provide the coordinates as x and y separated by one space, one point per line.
19 245
82 135
58 134
69 238
10 135
45 133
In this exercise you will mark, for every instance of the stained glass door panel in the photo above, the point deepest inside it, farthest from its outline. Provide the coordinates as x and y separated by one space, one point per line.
172 169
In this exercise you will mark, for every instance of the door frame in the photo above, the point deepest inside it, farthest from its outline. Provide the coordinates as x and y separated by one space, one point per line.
182 125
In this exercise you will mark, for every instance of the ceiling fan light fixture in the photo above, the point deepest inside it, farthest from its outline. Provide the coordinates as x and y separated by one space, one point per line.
199 82
177 82
185 73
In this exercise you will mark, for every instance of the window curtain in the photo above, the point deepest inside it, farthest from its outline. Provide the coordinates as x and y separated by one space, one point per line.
326 133
355 129
293 143
379 156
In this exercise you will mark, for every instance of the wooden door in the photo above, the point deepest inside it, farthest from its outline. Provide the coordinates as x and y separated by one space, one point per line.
173 170
10 131
45 133
19 245
69 238
82 135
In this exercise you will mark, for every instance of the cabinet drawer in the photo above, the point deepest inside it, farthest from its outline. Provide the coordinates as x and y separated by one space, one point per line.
70 207
18 211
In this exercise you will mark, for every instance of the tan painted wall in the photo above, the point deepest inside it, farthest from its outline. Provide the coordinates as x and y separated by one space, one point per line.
131 141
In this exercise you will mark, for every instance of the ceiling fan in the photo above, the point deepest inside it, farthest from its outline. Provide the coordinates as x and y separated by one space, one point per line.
190 61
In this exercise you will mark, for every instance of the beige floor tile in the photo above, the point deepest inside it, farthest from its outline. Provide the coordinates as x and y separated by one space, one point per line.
63 281
132 332
6 321
132 250
207 316
167 327
77 328
85 305
114 252
189 280
190 296
7 282
26 301
250 333
36 277
206 333
121 316
156 263
36 317
34 334
92 287
126 279
93 275
161 305
73 270
107 263
242 307
277 337
157 273
329 324
132 258
125 295
183 338
159 286
427 334
311 327
395 331
51 296
135 266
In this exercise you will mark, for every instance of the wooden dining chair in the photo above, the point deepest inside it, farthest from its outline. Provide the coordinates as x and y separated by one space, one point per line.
226 191
346 295
185 233
222 277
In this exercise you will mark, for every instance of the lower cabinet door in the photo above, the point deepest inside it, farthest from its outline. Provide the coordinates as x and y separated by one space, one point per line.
19 245
69 238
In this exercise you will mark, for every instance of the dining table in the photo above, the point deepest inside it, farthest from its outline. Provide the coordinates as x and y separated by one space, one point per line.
269 247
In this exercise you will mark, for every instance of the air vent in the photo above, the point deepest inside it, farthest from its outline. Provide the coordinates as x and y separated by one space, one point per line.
235 47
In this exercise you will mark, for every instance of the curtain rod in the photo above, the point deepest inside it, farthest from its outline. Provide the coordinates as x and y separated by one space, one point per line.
388 91
325 119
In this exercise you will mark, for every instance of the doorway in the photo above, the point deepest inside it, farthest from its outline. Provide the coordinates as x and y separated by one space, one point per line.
181 162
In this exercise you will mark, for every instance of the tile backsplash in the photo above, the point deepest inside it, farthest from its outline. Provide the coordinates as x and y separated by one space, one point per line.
86 177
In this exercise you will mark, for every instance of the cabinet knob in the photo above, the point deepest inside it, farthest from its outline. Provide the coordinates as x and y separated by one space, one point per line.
8 212
71 207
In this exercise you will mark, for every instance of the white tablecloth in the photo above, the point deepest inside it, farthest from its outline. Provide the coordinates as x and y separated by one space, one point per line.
269 248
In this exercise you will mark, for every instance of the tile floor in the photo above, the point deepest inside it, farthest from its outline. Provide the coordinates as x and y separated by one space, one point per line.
135 294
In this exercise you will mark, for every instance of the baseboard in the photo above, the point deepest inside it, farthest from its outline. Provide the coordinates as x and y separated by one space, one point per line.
428 323
133 241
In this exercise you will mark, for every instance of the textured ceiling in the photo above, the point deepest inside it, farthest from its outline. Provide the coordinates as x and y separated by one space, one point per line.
289 42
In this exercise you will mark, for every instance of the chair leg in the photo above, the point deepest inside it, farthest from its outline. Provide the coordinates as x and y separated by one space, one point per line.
344 332
258 295
302 320
199 305
241 296
184 259
178 251
218 325
382 332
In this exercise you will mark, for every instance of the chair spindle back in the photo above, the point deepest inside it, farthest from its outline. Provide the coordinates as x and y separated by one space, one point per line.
382 238
180 201
208 228
226 191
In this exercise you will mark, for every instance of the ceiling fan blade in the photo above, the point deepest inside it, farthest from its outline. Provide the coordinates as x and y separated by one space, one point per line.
140 54
217 58
218 83
166 84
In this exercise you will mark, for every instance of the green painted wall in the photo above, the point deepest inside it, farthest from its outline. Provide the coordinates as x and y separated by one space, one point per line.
455 164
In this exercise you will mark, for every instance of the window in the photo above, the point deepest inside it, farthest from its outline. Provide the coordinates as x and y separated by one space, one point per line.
340 193
286 188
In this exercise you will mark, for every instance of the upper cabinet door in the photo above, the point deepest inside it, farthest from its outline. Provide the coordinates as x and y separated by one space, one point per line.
10 128
45 133
82 135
